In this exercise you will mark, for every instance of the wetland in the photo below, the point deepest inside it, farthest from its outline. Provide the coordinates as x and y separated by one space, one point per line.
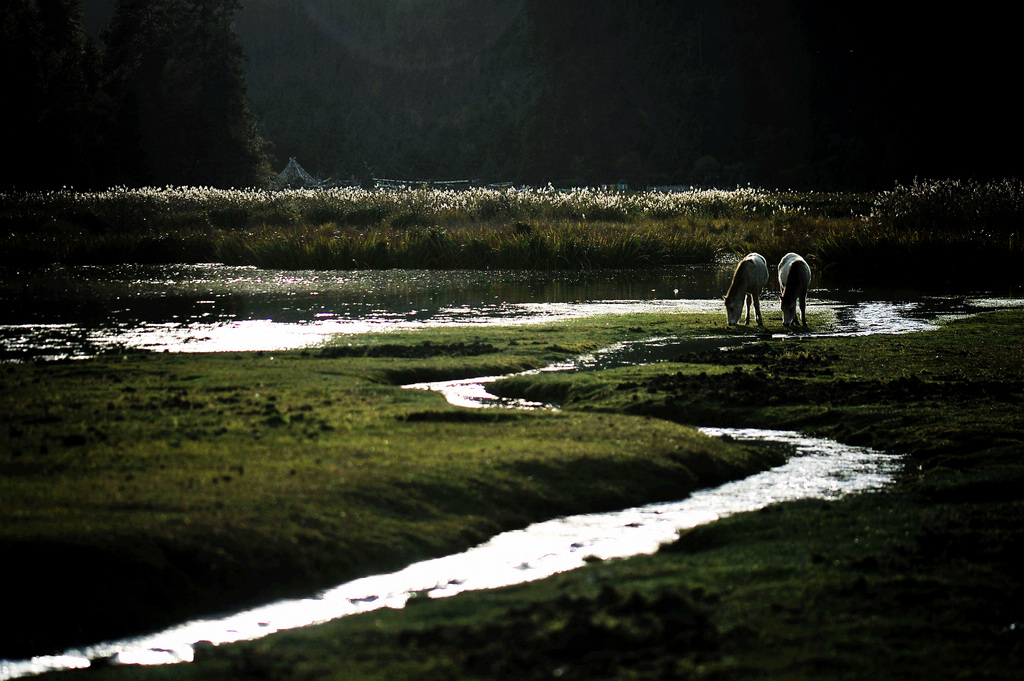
166 476
228 440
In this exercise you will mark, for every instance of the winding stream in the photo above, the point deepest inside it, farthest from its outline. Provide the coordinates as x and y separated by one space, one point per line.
817 468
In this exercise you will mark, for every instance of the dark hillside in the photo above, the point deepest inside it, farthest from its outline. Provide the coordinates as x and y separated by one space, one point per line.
784 93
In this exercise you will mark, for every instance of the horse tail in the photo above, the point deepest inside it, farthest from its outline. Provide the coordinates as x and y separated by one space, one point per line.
798 279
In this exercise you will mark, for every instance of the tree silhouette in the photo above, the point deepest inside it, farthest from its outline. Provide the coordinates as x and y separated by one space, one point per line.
176 78
50 78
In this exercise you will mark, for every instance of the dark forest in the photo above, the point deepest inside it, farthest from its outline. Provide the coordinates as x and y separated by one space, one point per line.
778 93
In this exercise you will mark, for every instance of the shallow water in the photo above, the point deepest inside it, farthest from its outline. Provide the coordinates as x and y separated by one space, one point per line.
817 468
79 312
73 313
856 319
211 308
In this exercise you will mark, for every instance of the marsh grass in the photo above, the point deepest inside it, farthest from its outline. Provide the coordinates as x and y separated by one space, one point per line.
943 231
354 228
929 231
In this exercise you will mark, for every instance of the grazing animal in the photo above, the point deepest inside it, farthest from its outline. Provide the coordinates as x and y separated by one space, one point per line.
794 279
747 281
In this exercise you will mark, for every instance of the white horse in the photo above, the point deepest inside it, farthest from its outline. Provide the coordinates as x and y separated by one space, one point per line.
747 281
794 279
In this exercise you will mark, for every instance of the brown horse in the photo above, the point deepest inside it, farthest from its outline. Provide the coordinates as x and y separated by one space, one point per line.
747 281
795 279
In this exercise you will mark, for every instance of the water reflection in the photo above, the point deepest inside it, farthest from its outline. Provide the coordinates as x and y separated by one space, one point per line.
817 468
79 312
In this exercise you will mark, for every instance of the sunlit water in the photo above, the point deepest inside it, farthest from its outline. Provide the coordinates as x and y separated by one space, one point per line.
71 313
284 310
818 468
79 312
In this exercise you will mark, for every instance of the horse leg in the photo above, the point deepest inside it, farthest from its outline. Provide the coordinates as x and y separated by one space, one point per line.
803 310
746 299
757 309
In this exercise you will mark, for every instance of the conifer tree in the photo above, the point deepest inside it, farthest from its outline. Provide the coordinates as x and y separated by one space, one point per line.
49 69
176 77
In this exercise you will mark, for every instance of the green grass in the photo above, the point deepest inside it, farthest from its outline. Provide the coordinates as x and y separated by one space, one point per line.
919 581
808 590
930 394
190 483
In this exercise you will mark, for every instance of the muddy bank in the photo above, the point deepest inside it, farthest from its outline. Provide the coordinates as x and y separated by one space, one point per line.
415 351
585 636
760 386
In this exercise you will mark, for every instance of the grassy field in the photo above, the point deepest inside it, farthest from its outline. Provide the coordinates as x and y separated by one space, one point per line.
920 581
190 483
894 236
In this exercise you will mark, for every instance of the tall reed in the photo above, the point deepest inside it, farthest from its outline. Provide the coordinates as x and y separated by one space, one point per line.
944 222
